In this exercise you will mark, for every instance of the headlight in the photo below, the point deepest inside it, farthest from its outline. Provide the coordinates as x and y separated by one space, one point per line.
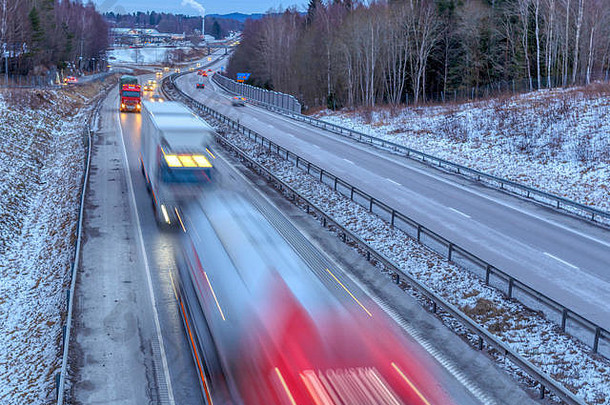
165 216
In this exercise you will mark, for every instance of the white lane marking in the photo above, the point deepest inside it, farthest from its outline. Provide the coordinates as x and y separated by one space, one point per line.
315 146
395 182
459 212
561 261
348 161
168 381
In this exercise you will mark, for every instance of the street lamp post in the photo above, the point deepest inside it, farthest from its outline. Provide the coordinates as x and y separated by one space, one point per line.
5 54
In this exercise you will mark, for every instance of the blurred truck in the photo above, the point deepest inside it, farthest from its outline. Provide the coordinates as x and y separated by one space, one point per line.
130 94
174 157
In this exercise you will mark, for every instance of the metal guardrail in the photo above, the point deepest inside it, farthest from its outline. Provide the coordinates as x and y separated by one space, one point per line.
268 98
591 213
568 320
544 381
60 378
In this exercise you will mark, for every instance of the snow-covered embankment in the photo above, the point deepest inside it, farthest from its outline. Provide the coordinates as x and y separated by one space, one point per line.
41 167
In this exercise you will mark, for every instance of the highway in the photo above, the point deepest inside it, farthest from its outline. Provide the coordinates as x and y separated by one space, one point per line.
565 258
130 342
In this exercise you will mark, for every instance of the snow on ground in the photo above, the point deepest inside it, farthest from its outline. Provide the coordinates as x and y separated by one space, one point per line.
554 140
41 167
535 338
145 55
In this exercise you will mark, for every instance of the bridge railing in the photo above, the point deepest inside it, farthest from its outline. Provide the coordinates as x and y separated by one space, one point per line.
267 98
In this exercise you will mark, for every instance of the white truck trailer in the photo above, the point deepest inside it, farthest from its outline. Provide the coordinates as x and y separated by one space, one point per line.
175 157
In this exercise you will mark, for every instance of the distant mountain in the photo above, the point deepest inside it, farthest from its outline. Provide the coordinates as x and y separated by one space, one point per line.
236 16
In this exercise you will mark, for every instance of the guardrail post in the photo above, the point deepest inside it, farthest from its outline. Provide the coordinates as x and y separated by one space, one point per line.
598 333
351 195
57 383
542 389
487 273
321 174
434 307
335 186
564 318
450 252
308 167
480 344
324 222
392 219
510 287
368 255
371 204
419 233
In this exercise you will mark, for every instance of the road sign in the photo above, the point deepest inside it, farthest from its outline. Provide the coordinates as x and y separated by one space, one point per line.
209 58
242 77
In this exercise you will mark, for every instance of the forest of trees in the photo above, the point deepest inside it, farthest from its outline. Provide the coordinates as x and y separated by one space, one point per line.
348 53
174 23
38 35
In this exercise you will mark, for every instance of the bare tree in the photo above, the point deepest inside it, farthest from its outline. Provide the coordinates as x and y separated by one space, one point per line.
425 30
577 40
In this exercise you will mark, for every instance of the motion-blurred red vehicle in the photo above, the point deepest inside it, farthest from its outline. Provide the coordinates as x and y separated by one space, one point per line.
284 333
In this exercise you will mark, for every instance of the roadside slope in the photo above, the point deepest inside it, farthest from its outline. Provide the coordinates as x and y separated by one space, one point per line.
41 167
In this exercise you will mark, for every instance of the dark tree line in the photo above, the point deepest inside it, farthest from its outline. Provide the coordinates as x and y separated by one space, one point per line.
174 23
39 35
352 53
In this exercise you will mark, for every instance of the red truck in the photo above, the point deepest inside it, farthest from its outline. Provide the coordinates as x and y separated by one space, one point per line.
131 97
130 93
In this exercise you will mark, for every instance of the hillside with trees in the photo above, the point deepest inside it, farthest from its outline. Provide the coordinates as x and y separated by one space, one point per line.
348 53
217 26
44 34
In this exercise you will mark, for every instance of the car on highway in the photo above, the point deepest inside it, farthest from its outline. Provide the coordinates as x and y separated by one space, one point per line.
177 70
156 98
166 69
200 85
70 80
238 101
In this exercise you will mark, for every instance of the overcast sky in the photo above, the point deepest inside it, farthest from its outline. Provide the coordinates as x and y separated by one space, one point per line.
211 6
